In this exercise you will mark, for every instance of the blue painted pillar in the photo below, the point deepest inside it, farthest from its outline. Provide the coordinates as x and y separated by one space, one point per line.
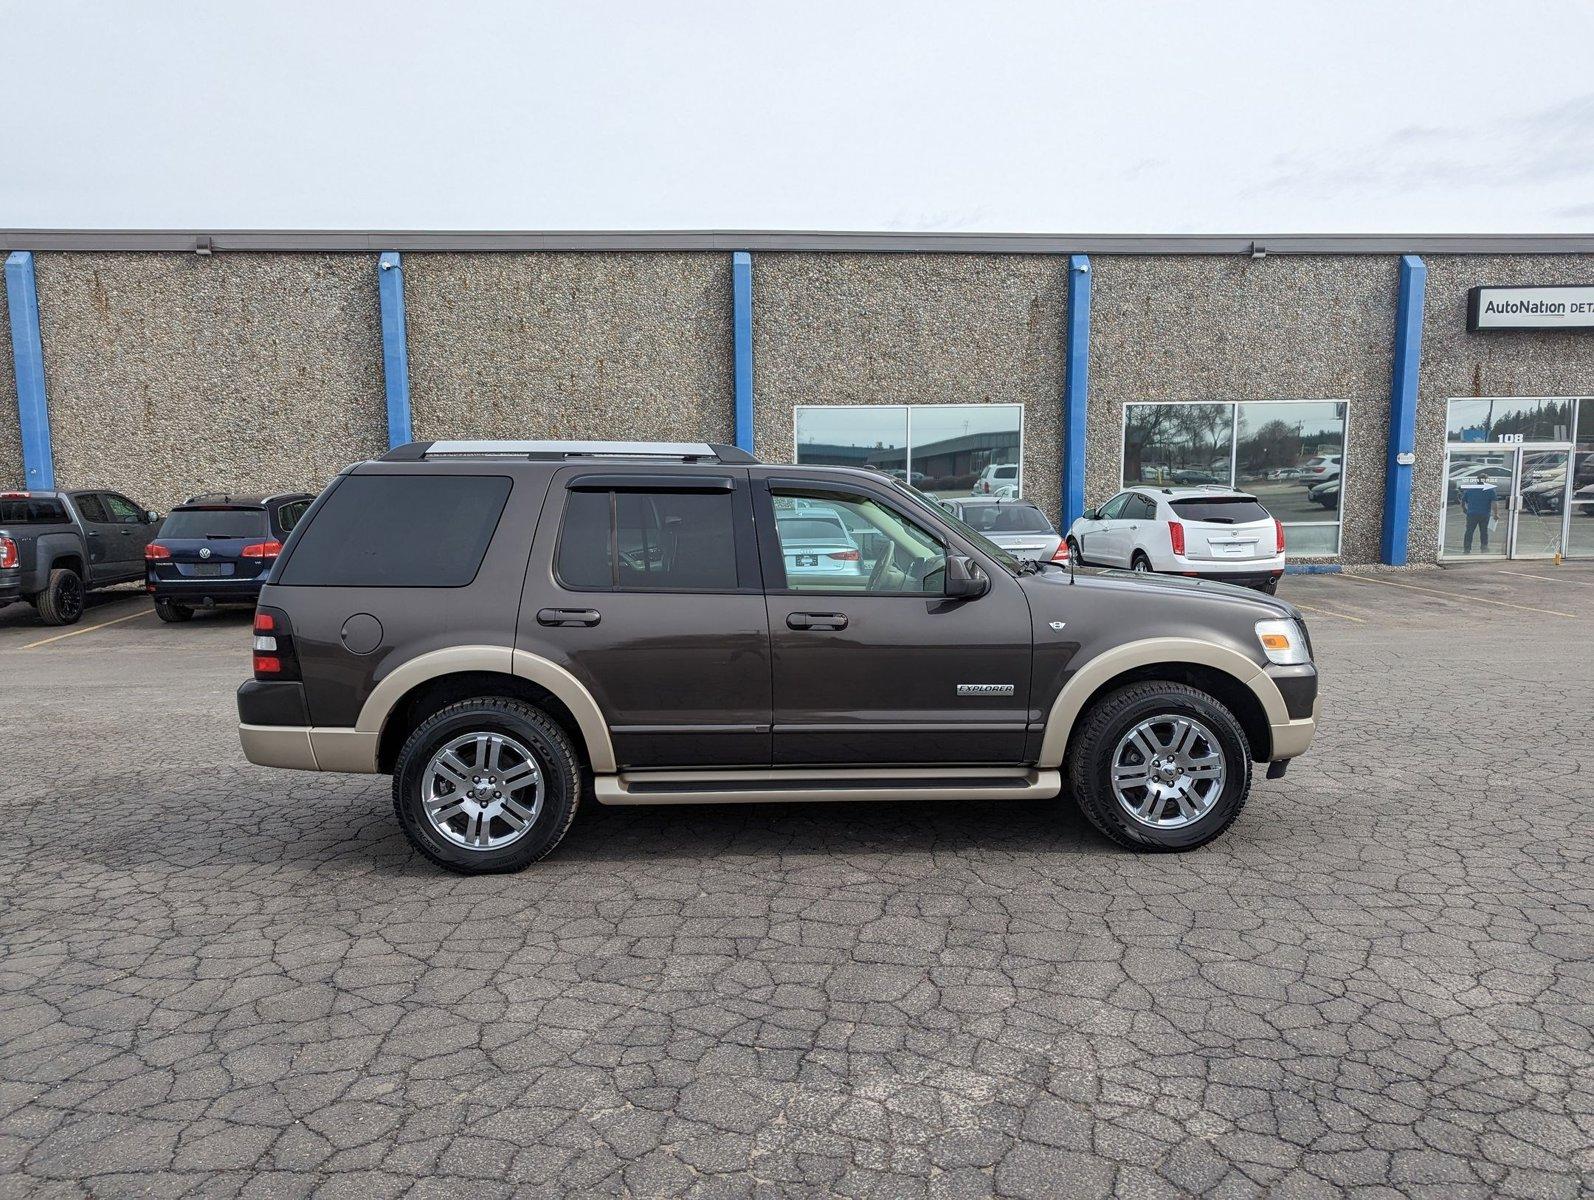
395 350
1076 388
27 353
742 344
1403 411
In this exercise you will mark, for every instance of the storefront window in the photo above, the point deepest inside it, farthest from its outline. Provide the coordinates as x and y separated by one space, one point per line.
1580 526
1287 453
942 449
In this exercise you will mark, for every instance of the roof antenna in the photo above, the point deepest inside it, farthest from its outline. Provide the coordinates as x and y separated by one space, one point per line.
1070 567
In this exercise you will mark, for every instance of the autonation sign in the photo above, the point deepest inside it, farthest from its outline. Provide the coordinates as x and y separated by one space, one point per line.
1530 308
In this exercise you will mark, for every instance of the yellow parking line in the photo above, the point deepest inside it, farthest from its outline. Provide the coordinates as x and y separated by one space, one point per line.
87 629
1328 612
1460 599
1549 578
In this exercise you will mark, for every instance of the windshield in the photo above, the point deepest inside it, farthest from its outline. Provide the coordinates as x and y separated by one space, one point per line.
214 523
985 544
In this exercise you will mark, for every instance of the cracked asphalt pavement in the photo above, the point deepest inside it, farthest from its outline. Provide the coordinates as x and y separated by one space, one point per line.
221 980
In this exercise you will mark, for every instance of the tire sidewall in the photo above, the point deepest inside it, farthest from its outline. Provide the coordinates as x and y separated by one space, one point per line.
561 781
1182 701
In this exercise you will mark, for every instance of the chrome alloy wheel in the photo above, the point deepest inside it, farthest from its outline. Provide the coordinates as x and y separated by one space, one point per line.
482 791
1168 771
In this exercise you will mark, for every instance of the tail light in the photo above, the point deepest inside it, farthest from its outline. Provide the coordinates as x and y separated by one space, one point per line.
845 556
155 551
1279 526
1176 536
275 656
262 549
1060 555
8 553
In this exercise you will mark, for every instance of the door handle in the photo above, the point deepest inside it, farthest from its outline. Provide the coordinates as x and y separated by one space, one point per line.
126 532
568 616
816 621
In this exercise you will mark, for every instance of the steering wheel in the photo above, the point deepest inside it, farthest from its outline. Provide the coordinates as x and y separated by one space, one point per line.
881 565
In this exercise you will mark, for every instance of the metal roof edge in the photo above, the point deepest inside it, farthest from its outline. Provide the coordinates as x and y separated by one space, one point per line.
778 241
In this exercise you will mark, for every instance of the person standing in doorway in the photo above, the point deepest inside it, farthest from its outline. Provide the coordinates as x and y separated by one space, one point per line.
1477 501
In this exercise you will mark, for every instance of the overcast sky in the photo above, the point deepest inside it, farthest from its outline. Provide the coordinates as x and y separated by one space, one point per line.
1416 116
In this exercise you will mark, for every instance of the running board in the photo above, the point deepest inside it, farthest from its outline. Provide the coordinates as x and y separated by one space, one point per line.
804 785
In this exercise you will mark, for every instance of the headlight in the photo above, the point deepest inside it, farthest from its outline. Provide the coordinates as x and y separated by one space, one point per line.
1283 642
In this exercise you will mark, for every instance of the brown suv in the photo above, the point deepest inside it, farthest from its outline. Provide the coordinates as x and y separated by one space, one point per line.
496 624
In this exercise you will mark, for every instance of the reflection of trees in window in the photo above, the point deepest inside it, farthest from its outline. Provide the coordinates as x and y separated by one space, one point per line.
1191 440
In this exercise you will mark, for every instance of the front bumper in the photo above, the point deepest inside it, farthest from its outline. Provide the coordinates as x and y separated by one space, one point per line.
1297 687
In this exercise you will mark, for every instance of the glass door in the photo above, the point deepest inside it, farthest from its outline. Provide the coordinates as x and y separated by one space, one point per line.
1479 485
1538 503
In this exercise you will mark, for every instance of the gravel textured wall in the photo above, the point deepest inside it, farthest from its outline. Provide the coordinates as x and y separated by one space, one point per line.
1231 328
912 329
10 436
570 345
173 374
1456 363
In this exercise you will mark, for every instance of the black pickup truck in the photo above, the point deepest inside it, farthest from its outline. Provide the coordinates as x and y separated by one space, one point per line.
56 546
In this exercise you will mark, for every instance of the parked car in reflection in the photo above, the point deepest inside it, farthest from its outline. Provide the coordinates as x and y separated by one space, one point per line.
1476 473
1325 494
998 479
1583 501
815 541
1017 526
1319 469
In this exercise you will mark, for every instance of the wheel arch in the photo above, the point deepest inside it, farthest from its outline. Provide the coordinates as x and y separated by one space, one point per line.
429 682
1226 674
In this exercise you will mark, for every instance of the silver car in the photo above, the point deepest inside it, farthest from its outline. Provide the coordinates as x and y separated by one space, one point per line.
1017 526
815 541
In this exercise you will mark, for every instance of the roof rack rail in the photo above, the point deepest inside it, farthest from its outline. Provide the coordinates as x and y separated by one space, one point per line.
687 452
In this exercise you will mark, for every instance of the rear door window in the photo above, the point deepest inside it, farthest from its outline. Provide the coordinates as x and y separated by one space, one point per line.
214 523
648 541
420 531
1224 510
91 509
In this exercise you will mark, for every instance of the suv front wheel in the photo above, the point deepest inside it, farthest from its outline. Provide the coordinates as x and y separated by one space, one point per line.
1160 766
486 785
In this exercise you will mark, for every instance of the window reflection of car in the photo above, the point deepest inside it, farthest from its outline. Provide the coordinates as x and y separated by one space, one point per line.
1583 500
1319 469
1325 494
998 479
1193 475
815 541
1017 526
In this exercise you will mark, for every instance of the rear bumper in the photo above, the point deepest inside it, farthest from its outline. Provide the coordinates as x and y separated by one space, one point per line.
10 585
308 748
1248 576
204 592
275 731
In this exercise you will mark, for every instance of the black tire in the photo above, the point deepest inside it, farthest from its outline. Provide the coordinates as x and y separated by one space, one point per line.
550 747
1073 551
61 601
1090 763
1139 562
173 613
1271 587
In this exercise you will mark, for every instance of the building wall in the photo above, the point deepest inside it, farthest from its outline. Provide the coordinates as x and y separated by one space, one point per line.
570 345
1231 328
172 374
1456 363
912 329
10 434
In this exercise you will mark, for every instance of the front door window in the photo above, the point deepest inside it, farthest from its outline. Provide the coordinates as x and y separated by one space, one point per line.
1477 494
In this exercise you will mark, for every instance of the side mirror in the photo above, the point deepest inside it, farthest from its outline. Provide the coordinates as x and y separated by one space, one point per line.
151 516
1090 514
965 580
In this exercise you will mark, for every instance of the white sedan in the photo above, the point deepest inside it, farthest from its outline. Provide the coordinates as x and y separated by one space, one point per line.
1205 532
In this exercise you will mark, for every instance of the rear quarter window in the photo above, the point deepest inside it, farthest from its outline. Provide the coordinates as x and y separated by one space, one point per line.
31 510
1223 511
416 531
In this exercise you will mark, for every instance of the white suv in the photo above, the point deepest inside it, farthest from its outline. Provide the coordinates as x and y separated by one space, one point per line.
998 479
1206 532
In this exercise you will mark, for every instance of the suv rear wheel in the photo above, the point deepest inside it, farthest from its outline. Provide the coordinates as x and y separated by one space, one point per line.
1160 766
486 785
172 613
